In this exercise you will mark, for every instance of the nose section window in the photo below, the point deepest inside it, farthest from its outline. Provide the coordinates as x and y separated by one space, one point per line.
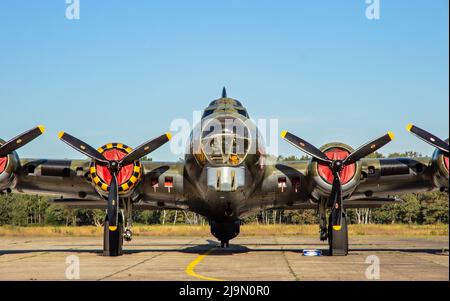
226 142
207 113
223 144
225 178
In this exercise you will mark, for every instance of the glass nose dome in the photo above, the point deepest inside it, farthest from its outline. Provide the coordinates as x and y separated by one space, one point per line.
225 141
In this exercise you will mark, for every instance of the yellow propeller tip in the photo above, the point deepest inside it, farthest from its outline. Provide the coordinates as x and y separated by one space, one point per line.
60 134
169 136
112 228
391 135
283 134
337 228
41 128
409 127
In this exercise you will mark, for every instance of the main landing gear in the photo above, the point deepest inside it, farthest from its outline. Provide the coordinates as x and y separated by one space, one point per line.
113 237
337 239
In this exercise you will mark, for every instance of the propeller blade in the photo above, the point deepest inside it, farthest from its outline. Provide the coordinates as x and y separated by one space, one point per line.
145 149
21 140
113 203
429 138
82 147
306 147
336 201
369 148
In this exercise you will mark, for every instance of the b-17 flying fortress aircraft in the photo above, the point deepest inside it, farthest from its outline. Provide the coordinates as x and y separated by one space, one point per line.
226 175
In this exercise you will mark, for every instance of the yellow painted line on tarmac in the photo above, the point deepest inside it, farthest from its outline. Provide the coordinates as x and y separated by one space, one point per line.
190 269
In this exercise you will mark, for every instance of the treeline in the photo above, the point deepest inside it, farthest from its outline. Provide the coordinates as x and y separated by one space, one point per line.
417 208
33 210
29 210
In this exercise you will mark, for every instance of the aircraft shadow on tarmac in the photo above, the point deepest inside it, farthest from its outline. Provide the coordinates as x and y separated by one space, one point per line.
213 249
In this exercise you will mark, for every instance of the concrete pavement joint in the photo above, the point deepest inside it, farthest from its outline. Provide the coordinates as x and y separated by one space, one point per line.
286 260
130 267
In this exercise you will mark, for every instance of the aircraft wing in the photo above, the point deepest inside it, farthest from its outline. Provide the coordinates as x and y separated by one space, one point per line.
339 173
71 184
296 185
393 176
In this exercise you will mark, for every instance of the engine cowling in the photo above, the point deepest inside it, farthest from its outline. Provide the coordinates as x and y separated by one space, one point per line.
441 173
8 166
128 177
322 177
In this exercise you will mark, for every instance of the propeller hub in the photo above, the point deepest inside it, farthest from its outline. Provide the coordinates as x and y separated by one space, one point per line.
337 165
114 166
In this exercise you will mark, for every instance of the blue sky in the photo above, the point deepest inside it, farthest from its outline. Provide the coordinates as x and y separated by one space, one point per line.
126 69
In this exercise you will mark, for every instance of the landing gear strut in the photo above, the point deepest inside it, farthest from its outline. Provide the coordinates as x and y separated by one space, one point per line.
338 239
225 244
127 234
323 220
127 213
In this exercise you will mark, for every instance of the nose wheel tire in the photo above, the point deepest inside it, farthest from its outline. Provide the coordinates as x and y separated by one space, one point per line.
112 240
338 239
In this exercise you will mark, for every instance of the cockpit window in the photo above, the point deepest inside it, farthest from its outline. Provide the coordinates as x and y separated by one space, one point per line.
243 113
207 113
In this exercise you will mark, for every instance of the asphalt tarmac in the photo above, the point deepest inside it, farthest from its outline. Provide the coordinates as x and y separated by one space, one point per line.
248 258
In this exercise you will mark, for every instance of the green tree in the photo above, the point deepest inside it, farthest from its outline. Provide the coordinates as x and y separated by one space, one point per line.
407 154
55 215
293 158
376 155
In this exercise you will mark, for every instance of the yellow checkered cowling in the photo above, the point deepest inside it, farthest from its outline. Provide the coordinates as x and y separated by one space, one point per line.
135 178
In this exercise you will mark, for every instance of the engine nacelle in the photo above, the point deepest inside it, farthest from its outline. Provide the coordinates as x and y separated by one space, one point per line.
441 170
322 177
8 166
128 177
